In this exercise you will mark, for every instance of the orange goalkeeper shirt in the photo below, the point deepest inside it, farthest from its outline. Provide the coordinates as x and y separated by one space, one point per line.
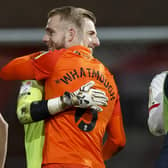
74 136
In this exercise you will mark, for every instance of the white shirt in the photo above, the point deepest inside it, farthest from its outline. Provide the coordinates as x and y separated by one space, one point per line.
155 106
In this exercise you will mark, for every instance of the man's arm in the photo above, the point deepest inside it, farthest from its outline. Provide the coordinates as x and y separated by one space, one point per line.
37 66
116 139
32 108
20 68
156 105
3 140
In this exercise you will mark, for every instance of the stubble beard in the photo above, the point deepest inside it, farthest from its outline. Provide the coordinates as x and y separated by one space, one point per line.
58 45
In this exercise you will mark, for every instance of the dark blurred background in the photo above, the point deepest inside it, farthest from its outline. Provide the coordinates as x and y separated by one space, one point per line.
134 46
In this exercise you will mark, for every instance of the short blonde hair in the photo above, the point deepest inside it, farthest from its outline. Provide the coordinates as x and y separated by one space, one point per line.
73 14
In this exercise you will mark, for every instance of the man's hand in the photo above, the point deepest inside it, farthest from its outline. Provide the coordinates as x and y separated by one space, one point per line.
85 97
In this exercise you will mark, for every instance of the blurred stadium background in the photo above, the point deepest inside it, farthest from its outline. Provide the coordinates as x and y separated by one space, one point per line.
134 46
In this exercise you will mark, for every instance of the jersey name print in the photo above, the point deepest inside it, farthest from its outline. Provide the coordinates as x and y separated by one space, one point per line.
87 72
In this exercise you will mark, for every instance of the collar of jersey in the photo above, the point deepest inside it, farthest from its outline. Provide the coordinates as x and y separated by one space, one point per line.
81 50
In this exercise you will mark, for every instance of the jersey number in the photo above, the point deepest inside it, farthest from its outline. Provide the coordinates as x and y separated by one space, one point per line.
82 125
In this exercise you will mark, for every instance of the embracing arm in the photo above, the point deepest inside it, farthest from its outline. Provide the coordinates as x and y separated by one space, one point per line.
20 68
116 139
37 66
32 108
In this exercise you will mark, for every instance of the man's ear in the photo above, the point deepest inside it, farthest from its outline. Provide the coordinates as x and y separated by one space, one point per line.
71 33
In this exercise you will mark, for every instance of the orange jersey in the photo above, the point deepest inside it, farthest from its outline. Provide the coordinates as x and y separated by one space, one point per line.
75 136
